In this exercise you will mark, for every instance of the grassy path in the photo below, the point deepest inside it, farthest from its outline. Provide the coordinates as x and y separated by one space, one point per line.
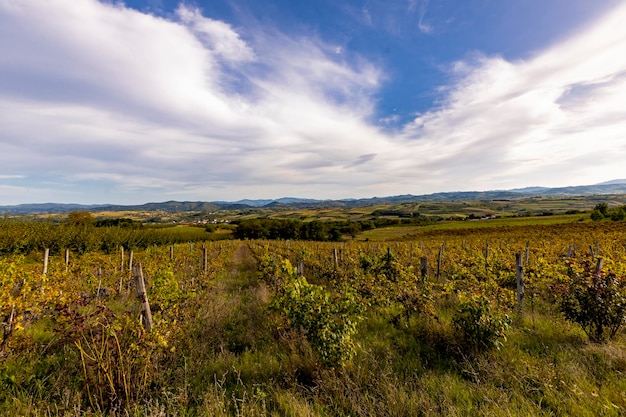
243 265
241 365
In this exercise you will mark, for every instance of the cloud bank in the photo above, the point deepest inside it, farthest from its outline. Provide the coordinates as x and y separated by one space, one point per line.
102 103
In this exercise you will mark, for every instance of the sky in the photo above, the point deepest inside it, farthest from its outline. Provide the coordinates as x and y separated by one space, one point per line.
132 101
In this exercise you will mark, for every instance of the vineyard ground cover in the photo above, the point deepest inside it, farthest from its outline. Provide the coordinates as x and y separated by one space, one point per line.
228 354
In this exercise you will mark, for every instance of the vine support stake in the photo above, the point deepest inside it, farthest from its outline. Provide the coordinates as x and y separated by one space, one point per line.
146 313
46 254
122 258
520 283
443 247
599 265
424 268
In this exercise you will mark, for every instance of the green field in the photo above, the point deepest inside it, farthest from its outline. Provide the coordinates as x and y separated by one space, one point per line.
402 232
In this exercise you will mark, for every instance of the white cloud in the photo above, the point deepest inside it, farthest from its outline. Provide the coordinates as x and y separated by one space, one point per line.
95 93
554 119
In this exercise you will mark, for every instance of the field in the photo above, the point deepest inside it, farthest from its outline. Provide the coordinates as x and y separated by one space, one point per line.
400 321
412 232
526 207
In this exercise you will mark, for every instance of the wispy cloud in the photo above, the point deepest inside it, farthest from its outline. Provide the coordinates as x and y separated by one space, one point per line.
218 37
421 24
422 7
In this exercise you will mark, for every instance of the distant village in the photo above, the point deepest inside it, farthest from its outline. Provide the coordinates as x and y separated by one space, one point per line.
472 217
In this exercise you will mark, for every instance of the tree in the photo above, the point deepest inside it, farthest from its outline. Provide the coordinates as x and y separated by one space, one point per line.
602 208
80 218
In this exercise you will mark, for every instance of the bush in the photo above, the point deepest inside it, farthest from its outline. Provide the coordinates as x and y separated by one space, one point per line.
480 326
595 300
596 216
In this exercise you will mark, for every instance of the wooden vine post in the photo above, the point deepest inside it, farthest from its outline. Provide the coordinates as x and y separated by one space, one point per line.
424 268
122 256
205 259
46 254
146 313
599 265
439 256
520 283
67 259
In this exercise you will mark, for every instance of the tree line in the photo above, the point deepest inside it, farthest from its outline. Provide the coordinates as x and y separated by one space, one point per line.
333 231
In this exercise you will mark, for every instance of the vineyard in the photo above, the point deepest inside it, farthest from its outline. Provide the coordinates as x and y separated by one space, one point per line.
523 320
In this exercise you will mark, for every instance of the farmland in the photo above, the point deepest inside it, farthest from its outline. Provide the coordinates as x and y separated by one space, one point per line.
417 320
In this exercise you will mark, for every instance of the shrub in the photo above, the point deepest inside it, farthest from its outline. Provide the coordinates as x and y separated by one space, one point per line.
480 325
595 300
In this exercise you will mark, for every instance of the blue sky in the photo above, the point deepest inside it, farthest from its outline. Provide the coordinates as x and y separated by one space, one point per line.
152 100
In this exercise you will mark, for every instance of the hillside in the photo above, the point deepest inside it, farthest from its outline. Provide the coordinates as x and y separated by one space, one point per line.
614 187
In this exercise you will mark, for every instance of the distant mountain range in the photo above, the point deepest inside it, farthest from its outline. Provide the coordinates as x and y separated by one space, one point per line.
605 188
